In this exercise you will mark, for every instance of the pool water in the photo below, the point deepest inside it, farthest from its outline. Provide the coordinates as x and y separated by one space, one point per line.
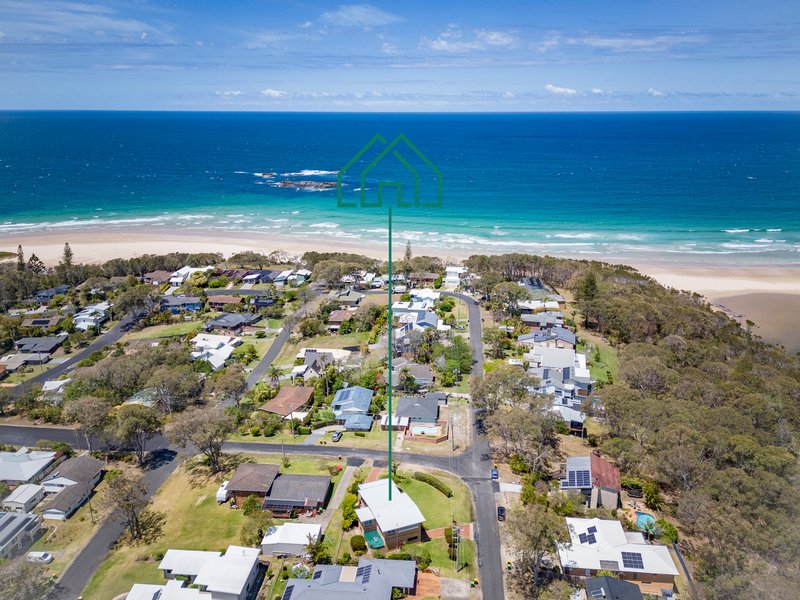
420 430
644 519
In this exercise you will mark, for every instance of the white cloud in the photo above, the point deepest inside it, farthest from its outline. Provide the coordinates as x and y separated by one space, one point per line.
265 39
230 93
143 36
508 94
654 92
597 91
628 43
388 48
306 25
495 38
359 15
271 93
560 91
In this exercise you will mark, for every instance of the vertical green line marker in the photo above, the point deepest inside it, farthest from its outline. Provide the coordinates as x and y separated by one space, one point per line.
391 352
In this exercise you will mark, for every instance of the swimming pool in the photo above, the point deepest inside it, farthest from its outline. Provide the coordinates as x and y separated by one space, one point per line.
423 430
644 519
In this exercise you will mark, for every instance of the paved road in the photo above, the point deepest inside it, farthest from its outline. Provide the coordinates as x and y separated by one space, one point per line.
472 465
112 336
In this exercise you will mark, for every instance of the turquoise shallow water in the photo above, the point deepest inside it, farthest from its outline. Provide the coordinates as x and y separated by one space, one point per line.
682 187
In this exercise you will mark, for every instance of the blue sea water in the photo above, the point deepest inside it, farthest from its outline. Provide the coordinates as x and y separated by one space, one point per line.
680 187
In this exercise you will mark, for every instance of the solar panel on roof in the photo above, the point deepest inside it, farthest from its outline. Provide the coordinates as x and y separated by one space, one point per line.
592 529
317 575
583 479
288 593
591 538
632 560
582 537
367 573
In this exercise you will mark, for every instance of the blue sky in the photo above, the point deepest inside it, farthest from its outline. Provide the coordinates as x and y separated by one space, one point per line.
436 55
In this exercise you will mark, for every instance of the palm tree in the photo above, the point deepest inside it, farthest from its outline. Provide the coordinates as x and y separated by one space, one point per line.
274 373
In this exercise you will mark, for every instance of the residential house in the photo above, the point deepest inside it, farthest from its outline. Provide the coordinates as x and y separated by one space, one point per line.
256 303
372 579
543 320
351 408
233 274
533 284
575 419
53 390
349 298
419 410
596 478
306 371
92 317
388 523
45 296
454 275
216 349
18 531
172 590
231 322
290 539
157 278
228 576
326 355
39 345
423 278
314 362
337 317
260 276
72 482
561 372
291 495
24 466
534 306
282 278
611 588
251 479
14 362
423 375
224 302
557 337
425 295
183 274
289 400
179 304
603 545
24 498
45 322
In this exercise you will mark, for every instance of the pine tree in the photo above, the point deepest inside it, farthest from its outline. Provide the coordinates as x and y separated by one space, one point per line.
407 256
20 259
66 259
35 265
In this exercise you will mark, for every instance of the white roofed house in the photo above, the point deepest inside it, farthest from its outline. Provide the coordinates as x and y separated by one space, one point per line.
183 274
216 349
17 532
398 522
24 498
602 544
24 466
215 576
453 275
92 317
290 539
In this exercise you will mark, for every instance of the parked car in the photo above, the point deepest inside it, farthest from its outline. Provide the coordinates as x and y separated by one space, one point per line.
495 473
39 557
501 513
337 435
222 492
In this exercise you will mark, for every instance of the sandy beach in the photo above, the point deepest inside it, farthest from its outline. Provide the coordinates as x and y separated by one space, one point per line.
767 295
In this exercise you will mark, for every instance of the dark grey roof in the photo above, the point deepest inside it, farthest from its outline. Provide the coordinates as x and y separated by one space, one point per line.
614 589
233 320
299 489
11 524
415 407
78 468
556 333
180 300
43 345
68 498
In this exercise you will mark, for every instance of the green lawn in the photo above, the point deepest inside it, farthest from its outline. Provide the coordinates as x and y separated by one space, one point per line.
375 438
284 436
194 521
608 363
440 558
164 331
27 372
439 510
287 356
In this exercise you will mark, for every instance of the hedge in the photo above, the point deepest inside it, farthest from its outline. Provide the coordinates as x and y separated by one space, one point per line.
434 482
303 430
358 544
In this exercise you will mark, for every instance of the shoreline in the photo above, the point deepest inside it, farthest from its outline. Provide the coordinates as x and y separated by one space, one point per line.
744 290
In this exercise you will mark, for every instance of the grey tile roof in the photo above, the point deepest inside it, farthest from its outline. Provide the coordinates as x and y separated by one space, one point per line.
252 477
79 468
67 498
299 489
232 320
414 407
44 345
374 580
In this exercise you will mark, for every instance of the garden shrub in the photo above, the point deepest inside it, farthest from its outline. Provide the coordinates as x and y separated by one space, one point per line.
434 482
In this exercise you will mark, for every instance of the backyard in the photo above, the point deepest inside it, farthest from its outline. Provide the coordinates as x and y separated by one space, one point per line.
193 520
351 340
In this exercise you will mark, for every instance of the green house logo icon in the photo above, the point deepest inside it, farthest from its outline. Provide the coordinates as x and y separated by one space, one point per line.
402 152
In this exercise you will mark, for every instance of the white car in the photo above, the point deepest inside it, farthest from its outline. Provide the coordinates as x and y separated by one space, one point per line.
39 557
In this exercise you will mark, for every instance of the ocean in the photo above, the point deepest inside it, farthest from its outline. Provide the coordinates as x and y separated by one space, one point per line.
694 188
